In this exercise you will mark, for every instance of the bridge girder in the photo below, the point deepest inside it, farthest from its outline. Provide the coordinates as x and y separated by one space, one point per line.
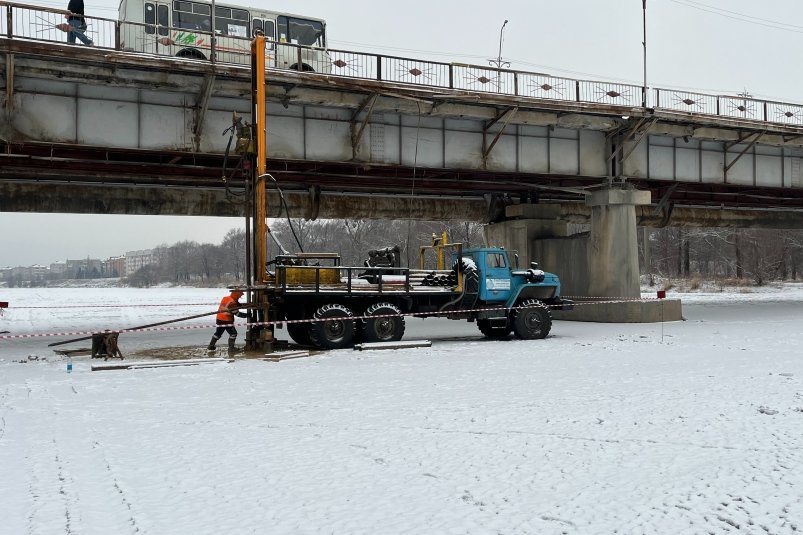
62 164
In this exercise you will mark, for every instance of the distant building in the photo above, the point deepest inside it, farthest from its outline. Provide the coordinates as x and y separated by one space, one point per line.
137 259
39 271
85 268
114 267
21 273
58 269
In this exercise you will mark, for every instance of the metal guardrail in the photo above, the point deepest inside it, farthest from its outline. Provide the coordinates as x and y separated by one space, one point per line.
35 23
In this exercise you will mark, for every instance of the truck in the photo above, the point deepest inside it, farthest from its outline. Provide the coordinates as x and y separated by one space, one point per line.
330 306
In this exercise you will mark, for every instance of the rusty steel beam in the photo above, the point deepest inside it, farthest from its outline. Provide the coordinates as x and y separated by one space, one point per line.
9 100
356 133
64 163
507 115
303 204
201 107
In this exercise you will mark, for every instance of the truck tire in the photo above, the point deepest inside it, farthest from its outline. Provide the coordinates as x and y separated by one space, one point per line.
532 320
336 331
496 332
386 329
300 333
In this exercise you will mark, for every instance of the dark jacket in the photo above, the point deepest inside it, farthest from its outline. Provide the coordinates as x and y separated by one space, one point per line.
77 8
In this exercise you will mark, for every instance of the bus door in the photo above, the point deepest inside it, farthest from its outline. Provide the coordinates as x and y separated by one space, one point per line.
157 29
268 29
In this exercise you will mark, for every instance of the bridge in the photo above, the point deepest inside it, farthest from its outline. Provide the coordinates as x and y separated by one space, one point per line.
110 129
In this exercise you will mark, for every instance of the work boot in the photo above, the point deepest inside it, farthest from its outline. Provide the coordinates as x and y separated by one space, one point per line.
212 344
231 343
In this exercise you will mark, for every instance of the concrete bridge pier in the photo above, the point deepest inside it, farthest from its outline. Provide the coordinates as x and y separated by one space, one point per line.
613 268
602 262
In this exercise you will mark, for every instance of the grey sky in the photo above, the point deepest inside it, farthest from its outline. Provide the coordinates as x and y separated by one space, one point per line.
717 46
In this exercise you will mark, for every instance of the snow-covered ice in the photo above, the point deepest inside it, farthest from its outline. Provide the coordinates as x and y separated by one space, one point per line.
686 427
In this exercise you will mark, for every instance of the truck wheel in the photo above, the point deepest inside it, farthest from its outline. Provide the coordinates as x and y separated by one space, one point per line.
532 321
300 333
336 331
494 331
386 329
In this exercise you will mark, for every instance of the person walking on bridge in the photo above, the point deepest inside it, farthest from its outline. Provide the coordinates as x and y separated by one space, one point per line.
77 23
229 307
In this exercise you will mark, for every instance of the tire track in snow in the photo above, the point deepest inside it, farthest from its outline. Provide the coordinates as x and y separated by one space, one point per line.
46 462
115 483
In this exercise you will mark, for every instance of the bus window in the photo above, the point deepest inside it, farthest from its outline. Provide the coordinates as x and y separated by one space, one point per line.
150 18
233 22
163 18
301 31
192 16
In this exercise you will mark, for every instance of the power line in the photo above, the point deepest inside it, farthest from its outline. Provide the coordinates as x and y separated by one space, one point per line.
734 15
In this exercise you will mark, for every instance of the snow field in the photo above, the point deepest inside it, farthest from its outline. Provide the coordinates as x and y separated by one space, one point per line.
687 427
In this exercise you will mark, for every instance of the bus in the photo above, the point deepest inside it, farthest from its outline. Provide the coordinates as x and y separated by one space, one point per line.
183 28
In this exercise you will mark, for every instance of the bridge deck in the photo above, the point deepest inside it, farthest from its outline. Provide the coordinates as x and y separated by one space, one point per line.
147 129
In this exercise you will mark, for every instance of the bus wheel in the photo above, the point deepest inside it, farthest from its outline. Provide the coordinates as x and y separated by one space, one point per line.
304 67
335 330
191 53
388 328
532 320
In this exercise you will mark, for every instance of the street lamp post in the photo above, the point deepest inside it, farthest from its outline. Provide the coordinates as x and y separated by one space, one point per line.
498 62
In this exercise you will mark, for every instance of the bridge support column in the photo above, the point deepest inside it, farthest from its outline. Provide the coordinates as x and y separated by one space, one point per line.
601 262
613 268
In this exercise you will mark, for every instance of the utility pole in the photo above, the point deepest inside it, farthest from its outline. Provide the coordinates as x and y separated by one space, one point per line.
214 35
644 43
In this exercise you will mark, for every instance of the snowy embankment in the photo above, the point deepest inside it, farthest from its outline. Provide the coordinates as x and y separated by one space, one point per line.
686 427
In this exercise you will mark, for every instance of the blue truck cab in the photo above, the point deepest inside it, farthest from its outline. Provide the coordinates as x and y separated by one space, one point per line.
509 299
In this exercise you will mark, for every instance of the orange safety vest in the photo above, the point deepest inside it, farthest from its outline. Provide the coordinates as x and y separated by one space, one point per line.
224 311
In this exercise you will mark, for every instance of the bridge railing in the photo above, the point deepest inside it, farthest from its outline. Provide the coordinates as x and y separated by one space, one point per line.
737 107
36 23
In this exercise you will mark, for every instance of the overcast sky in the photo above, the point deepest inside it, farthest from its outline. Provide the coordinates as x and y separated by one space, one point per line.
717 46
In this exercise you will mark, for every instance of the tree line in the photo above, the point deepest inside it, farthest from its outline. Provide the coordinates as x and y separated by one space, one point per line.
746 255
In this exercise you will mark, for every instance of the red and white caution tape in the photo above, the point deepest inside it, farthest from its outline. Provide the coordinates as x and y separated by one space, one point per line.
281 323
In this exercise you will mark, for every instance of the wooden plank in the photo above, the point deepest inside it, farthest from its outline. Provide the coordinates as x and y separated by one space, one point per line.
392 345
156 364
285 355
83 352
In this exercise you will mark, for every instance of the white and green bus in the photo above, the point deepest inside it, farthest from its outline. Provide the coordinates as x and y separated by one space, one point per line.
183 28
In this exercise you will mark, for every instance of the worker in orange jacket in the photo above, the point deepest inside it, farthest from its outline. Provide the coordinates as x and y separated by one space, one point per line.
229 307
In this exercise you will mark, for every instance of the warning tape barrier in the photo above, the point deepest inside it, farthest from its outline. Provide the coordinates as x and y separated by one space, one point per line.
281 323
618 299
113 306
